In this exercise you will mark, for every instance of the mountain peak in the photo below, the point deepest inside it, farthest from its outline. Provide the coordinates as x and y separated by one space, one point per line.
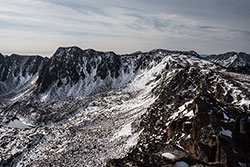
62 51
123 109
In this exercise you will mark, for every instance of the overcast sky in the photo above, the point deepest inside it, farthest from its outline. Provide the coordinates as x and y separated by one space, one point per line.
124 26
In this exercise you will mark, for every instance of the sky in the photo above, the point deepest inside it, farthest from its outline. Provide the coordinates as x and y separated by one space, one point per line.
205 26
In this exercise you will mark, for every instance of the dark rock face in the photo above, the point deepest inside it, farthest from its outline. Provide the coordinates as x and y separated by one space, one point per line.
15 65
63 64
16 71
67 64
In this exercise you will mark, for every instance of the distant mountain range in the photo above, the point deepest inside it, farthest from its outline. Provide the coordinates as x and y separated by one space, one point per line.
234 62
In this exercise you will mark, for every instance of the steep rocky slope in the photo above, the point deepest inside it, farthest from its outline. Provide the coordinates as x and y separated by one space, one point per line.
18 72
200 117
159 108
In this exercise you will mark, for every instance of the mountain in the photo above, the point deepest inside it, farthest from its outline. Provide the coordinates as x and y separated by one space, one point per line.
92 108
18 72
233 61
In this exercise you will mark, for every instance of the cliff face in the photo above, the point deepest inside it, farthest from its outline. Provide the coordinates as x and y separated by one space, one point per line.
90 108
17 72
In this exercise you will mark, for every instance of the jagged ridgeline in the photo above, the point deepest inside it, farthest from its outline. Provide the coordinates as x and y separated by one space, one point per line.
74 72
158 108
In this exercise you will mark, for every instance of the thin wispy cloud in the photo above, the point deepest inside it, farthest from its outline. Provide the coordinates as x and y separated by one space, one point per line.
40 26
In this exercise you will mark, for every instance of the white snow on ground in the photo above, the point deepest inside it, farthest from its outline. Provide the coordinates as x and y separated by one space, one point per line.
189 114
188 136
226 132
194 60
225 116
20 95
181 164
88 85
23 86
183 109
23 82
109 115
132 141
240 99
102 123
34 80
236 93
227 62
62 146
242 164
92 83
168 155
146 76
45 96
245 102
125 131
17 124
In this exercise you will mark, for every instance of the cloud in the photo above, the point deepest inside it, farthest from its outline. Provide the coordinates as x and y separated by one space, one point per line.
107 25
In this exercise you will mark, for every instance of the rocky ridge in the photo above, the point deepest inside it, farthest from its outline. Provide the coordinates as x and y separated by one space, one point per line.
159 108
232 61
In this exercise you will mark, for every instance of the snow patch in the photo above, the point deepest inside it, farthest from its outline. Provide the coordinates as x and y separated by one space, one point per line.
18 96
132 141
226 132
44 97
188 136
245 102
168 155
125 131
225 116
17 124
183 109
242 164
188 114
181 164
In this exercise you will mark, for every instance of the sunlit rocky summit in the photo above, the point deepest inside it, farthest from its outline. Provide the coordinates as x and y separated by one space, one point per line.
156 108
